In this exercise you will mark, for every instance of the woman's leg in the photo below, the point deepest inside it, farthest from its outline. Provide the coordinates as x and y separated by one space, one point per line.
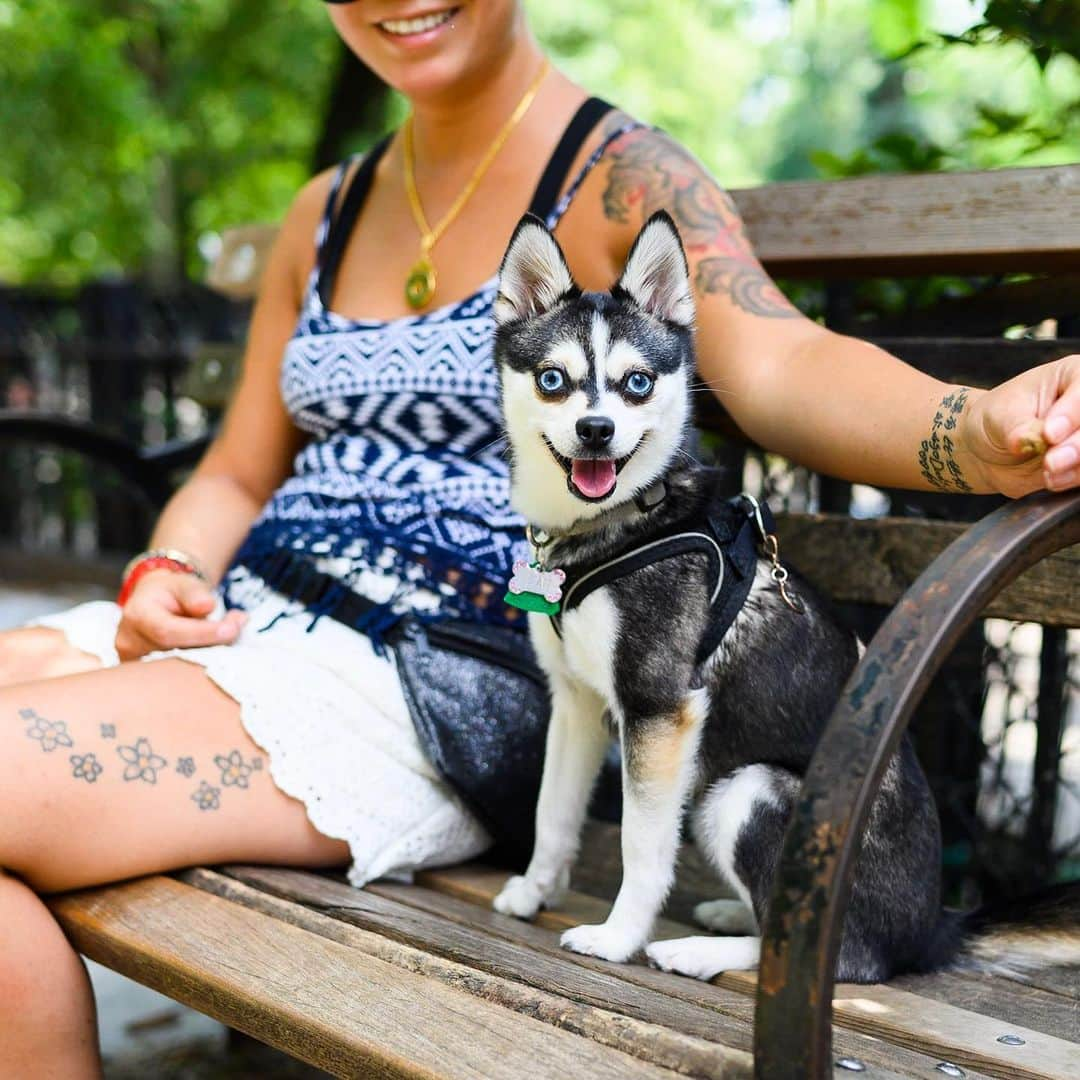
107 775
40 652
53 1032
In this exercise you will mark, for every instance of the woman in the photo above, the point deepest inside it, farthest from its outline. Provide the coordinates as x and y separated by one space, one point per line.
369 449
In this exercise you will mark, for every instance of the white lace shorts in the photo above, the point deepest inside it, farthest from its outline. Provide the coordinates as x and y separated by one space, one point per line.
330 715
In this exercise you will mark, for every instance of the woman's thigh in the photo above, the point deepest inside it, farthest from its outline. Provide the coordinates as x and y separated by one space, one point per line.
137 769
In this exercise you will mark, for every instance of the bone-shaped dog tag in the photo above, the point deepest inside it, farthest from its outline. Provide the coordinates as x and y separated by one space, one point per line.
533 589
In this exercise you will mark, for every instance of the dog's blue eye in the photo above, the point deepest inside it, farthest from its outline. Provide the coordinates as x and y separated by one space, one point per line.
639 384
551 380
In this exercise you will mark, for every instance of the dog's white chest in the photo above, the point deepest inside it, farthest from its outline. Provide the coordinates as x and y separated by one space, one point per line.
586 650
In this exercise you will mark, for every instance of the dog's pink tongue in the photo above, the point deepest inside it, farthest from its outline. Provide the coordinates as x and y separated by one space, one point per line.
593 478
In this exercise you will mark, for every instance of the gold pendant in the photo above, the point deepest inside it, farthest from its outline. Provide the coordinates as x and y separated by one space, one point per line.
420 284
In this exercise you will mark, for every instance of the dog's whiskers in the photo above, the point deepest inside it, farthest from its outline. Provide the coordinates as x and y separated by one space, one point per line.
488 446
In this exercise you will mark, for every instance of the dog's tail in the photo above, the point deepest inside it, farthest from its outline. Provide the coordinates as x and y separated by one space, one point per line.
1016 937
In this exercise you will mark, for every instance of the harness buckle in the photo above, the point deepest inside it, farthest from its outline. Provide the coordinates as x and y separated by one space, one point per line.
770 547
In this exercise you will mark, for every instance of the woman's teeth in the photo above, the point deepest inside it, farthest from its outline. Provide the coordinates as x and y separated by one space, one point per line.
417 25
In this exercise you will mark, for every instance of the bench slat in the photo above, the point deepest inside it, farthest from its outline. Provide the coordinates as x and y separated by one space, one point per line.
959 1035
1009 1001
549 990
875 562
314 998
881 1058
982 222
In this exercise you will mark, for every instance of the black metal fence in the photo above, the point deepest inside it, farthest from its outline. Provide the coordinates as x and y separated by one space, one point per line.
114 354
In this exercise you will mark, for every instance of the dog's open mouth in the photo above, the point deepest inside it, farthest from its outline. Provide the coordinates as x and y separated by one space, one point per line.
591 479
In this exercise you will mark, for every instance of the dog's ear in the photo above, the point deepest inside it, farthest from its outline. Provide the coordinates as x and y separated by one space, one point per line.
534 276
656 276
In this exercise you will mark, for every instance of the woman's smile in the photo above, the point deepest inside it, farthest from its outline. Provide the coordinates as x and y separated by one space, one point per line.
418 30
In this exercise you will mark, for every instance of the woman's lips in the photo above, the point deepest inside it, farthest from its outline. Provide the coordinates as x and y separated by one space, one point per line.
418 29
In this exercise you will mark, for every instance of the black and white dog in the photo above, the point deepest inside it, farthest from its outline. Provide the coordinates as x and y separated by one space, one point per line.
716 680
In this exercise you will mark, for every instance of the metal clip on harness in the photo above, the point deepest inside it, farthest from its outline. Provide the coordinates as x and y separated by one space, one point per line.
771 548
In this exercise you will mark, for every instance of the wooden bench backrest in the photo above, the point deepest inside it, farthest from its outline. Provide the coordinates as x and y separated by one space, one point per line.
1012 221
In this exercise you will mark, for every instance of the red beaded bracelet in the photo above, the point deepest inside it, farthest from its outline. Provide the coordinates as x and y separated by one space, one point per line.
144 566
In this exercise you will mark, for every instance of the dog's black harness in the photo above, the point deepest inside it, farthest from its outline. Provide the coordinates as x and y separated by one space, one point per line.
728 534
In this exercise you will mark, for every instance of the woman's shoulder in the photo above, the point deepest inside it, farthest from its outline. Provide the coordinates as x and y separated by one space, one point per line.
635 169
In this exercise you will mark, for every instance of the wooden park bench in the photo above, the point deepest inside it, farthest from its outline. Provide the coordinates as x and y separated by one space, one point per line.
426 980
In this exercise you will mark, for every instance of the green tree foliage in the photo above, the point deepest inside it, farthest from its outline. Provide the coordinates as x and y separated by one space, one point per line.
132 126
134 129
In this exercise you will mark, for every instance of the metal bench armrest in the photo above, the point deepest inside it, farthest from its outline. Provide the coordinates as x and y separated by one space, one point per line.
793 1025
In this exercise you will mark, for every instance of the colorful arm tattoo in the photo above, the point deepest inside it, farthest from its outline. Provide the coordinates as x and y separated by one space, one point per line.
648 171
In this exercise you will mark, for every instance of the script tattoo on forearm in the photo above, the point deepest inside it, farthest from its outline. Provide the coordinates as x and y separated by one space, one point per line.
650 172
937 458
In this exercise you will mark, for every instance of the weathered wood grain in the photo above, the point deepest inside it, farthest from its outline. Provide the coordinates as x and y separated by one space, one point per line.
982 222
526 953
1009 1001
314 998
1064 980
556 993
883 1011
875 562
879 1056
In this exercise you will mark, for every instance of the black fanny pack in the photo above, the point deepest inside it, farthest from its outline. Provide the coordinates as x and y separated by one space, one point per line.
478 702
480 707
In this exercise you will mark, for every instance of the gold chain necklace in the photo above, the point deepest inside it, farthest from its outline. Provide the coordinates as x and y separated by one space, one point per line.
420 284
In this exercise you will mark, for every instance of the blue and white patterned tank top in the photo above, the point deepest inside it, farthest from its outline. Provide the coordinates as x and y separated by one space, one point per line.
405 473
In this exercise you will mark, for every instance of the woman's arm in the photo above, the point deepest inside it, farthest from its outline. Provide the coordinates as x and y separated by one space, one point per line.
211 513
837 404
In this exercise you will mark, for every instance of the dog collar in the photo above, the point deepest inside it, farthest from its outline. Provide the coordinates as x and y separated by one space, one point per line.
537 587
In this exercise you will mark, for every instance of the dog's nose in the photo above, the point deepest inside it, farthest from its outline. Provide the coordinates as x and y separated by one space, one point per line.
595 431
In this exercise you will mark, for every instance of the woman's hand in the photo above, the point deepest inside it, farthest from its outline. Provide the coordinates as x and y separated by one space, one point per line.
1024 435
168 610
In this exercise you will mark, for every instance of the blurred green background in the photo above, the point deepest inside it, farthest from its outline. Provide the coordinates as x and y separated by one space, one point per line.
134 130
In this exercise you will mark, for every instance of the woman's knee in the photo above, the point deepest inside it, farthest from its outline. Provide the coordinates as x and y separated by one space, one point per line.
32 653
33 949
55 1033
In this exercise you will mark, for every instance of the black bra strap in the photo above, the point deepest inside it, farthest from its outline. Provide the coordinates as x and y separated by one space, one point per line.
341 225
577 131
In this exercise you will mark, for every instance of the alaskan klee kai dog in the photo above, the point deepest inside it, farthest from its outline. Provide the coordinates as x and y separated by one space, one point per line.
716 680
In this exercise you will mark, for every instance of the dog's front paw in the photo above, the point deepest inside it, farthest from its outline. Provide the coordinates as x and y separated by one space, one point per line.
519 897
704 957
602 940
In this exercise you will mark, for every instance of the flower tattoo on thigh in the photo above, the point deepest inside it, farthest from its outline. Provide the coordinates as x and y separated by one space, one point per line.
50 733
235 771
86 767
207 797
141 761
